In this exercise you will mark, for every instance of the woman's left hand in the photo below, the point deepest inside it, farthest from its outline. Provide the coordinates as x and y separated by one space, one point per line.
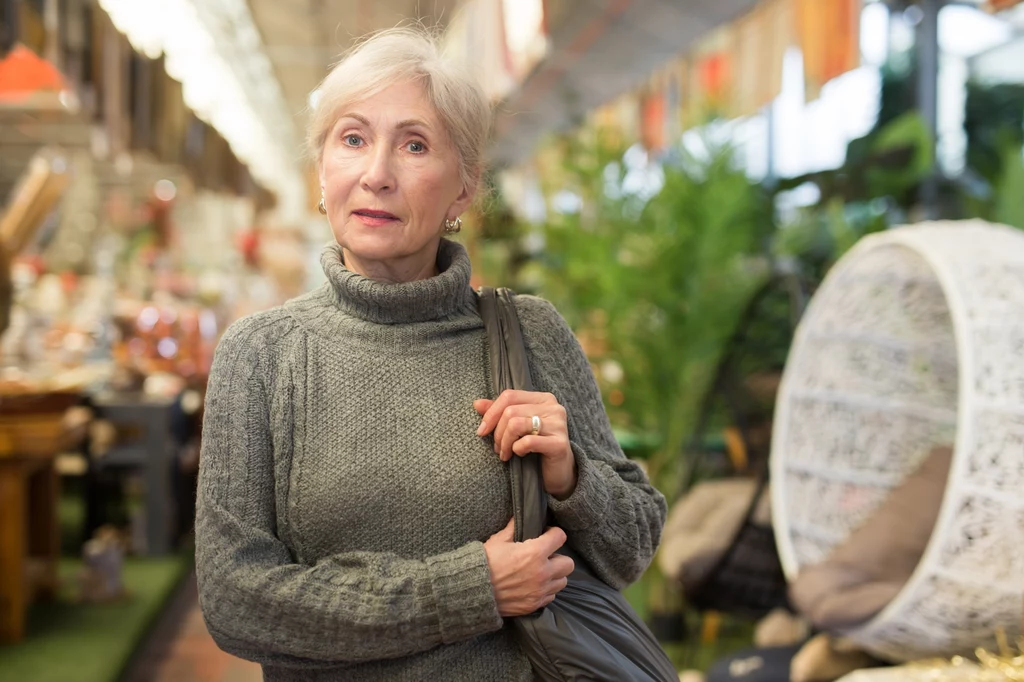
510 418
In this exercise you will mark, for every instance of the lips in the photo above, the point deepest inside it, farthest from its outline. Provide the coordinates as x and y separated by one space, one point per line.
372 218
382 215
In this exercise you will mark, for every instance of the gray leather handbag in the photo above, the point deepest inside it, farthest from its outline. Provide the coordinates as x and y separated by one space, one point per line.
590 632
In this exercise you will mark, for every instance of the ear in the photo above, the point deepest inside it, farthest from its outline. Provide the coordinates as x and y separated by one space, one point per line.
463 201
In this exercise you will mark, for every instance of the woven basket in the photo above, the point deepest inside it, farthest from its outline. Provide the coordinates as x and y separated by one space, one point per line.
916 338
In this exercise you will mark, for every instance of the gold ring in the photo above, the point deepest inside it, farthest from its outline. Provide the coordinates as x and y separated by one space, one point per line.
534 425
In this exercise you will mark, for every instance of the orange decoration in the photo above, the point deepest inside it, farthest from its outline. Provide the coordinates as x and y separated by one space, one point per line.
23 72
715 74
652 121
829 34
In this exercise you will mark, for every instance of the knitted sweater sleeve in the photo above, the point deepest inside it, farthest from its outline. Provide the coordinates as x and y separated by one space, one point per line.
614 517
258 602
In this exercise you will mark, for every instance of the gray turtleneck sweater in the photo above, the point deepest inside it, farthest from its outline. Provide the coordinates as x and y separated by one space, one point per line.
344 495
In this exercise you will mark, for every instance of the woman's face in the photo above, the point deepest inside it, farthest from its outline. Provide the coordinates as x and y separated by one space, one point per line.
391 178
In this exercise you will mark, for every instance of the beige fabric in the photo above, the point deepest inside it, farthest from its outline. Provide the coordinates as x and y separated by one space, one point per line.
820 660
780 628
701 527
762 515
870 568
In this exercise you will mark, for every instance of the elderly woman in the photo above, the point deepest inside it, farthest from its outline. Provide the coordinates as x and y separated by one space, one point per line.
354 504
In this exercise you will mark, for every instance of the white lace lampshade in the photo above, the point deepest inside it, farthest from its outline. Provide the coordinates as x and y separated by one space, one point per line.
915 339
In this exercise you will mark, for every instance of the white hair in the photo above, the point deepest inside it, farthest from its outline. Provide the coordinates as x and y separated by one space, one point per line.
403 54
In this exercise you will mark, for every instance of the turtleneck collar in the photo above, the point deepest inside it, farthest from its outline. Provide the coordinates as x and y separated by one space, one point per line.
420 301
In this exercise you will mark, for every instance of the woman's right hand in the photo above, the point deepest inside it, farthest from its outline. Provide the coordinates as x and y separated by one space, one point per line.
526 575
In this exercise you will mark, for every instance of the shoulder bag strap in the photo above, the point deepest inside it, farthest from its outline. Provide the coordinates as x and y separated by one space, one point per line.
510 369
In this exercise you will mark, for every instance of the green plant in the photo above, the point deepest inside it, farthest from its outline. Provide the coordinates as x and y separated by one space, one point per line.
1009 204
890 162
993 122
654 284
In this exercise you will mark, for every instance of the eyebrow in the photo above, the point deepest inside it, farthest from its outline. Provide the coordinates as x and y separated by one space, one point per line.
361 119
412 122
407 123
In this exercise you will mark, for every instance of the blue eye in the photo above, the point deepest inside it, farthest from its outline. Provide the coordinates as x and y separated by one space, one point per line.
353 140
417 147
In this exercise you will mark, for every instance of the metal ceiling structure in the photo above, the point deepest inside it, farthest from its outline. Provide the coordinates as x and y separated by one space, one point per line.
599 49
248 66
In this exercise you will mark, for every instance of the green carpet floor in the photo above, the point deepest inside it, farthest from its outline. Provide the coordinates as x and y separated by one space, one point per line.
68 642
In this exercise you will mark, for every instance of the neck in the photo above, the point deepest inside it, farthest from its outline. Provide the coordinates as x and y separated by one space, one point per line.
407 301
411 268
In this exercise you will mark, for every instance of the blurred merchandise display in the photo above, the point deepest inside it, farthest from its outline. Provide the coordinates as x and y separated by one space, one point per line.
131 236
102 579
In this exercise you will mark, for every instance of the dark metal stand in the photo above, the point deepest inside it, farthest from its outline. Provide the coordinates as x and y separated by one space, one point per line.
150 449
928 96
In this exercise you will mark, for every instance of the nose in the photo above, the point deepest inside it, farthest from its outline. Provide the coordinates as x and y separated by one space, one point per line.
378 175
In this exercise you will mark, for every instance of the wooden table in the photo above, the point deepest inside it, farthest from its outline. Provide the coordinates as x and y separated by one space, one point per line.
29 529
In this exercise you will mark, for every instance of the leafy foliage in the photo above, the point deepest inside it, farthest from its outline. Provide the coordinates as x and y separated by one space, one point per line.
994 122
655 286
1009 204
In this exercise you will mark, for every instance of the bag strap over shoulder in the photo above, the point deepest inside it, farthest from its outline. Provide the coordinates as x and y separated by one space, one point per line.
510 369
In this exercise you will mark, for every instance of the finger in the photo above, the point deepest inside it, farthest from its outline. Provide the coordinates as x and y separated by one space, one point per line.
562 566
482 405
510 397
493 413
542 445
517 423
558 585
550 541
512 428
502 431
553 419
528 397
508 532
